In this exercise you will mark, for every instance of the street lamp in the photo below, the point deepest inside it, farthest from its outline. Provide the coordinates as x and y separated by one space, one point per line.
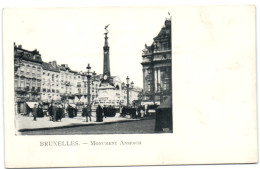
127 90
88 83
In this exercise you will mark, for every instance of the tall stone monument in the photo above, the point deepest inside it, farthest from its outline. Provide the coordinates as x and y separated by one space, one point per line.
109 91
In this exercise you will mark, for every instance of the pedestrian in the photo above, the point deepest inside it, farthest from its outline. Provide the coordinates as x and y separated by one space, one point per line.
71 111
40 111
84 110
34 112
105 111
88 113
146 110
142 111
75 111
54 109
59 113
50 109
133 112
99 114
123 111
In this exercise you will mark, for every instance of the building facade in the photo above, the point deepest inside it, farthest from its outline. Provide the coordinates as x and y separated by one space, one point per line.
27 77
50 82
157 66
38 81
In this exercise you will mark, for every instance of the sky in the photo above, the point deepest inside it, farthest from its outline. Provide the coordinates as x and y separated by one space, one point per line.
75 36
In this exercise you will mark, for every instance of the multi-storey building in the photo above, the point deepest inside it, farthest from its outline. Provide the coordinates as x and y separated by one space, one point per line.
50 82
27 77
67 79
157 66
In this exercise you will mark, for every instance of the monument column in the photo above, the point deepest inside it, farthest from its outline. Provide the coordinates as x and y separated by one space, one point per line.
106 66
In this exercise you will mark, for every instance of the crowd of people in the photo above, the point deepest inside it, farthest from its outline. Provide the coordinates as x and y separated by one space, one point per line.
56 111
134 112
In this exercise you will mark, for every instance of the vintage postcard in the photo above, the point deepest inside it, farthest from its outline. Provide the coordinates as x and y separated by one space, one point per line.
125 86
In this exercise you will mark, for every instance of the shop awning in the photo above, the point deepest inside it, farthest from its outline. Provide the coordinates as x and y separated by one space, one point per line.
31 104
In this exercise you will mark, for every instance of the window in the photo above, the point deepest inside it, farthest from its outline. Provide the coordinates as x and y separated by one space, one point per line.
149 86
28 71
52 77
43 73
33 85
15 82
22 83
38 86
33 72
28 84
164 46
22 69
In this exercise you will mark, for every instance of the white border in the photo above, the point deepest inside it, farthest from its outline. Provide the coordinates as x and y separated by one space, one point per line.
81 3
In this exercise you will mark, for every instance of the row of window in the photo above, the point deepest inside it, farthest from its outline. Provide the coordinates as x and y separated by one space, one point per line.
50 90
33 89
62 77
27 83
50 94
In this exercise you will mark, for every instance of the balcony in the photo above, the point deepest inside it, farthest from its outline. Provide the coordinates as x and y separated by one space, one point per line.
20 89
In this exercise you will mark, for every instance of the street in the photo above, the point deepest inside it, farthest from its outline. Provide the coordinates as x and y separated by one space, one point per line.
130 127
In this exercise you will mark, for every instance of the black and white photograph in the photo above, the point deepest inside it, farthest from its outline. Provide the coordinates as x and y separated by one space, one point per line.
105 75
117 85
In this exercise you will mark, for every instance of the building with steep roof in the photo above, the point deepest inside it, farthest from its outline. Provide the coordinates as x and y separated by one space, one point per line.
157 66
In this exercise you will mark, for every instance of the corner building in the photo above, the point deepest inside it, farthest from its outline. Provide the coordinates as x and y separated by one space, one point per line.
27 77
157 62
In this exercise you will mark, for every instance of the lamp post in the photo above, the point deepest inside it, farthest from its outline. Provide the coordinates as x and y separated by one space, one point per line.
132 86
88 85
153 47
127 90
88 82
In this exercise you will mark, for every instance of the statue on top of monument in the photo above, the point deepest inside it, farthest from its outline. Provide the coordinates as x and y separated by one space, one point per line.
106 29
